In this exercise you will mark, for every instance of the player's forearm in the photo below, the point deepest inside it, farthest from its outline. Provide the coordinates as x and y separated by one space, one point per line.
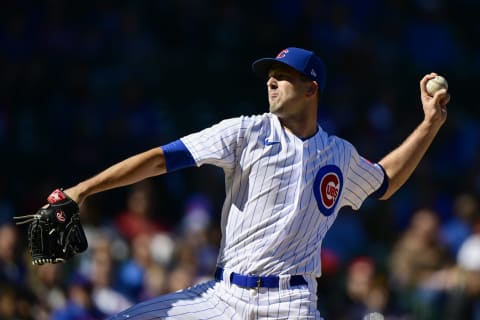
401 162
136 168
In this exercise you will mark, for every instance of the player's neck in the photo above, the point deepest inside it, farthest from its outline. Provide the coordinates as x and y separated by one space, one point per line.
303 128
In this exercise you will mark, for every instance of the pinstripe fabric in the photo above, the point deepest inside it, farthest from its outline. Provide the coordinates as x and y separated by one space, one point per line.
216 300
282 195
272 222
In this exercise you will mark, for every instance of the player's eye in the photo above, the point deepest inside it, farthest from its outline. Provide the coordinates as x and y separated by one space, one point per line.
280 76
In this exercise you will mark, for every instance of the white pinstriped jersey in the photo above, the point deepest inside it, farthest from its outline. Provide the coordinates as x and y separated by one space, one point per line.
282 193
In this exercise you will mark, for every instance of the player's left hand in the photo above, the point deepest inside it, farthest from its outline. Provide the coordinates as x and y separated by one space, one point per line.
55 233
435 108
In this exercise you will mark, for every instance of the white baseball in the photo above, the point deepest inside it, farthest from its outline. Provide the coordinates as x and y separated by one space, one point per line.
435 84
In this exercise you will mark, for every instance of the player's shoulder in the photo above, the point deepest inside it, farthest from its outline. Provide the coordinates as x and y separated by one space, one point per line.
240 125
258 118
335 140
250 121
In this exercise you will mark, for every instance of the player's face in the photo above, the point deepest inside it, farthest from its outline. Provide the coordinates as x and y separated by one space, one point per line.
286 91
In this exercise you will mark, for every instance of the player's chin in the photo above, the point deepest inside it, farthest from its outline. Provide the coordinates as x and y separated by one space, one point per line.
281 113
275 108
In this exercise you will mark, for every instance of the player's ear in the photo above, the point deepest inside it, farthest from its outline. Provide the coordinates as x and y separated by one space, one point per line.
312 88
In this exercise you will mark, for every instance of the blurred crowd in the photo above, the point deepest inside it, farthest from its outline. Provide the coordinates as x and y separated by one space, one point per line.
131 258
85 84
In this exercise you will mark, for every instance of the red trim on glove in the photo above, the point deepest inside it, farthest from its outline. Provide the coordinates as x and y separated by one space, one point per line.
56 196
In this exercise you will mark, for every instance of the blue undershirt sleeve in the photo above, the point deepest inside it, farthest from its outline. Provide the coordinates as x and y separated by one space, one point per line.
177 156
383 188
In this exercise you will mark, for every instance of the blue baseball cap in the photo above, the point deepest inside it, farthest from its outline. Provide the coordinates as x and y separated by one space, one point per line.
304 61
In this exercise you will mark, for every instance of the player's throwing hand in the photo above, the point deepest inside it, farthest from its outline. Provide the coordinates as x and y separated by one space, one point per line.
434 107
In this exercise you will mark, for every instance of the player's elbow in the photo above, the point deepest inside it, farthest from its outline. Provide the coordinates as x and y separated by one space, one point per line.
159 165
385 196
390 190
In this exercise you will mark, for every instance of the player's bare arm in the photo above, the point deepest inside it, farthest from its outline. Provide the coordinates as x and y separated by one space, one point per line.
136 168
401 162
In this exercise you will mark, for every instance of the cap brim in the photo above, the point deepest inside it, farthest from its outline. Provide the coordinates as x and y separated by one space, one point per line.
261 67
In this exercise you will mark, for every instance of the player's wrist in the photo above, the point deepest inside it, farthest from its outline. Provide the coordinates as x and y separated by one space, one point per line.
77 193
432 124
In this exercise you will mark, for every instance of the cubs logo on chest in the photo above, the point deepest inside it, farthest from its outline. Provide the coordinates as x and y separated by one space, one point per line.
327 188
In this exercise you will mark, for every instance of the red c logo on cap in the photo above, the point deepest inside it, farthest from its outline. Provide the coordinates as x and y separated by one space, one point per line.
282 54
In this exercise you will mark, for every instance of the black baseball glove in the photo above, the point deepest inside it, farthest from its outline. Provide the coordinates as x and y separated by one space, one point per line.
54 232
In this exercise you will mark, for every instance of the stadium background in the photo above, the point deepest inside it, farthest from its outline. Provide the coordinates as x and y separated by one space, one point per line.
85 84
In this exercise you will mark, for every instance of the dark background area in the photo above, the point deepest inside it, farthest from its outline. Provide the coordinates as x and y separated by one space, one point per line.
86 84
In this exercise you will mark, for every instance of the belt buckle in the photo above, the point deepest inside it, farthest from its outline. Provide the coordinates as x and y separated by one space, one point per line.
259 282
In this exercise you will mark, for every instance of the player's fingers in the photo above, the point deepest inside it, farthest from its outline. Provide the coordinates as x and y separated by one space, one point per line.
445 100
424 80
441 97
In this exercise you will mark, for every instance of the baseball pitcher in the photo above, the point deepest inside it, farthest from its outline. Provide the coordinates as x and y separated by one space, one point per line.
286 180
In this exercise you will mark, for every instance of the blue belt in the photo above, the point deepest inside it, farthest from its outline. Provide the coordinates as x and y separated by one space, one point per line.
256 281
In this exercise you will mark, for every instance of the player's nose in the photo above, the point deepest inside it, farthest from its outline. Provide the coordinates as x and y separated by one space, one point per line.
272 83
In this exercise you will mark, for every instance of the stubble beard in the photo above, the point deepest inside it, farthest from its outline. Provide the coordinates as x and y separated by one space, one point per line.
275 106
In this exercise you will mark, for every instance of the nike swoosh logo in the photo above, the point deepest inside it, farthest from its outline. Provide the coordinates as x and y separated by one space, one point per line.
269 143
